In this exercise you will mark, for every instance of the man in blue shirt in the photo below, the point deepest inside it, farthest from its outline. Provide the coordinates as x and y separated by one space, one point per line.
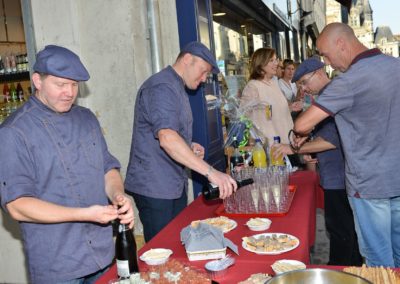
311 77
162 146
365 102
58 177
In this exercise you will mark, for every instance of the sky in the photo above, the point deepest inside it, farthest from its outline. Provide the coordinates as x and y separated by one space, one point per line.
386 13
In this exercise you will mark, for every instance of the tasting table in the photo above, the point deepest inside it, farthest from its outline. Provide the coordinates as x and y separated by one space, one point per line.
300 222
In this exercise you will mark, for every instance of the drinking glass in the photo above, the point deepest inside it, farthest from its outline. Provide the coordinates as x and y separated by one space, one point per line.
276 189
255 196
265 195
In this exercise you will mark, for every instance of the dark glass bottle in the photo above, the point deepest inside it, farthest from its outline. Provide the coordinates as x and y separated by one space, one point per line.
236 161
14 98
2 69
211 191
125 252
20 93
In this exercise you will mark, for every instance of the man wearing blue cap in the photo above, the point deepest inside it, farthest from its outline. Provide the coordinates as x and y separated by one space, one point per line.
59 176
312 78
162 144
365 102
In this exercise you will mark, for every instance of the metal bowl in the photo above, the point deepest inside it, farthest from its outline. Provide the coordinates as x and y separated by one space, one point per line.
317 276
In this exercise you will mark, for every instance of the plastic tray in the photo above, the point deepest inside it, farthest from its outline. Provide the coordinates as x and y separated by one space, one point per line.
292 190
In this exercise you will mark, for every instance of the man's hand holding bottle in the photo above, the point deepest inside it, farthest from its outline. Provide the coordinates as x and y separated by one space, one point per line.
226 184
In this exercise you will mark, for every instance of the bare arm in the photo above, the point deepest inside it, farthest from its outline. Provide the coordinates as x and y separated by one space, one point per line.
307 120
115 192
315 146
30 209
178 150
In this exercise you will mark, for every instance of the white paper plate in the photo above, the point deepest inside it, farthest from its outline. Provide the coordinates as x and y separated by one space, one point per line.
226 226
286 265
262 227
156 256
244 244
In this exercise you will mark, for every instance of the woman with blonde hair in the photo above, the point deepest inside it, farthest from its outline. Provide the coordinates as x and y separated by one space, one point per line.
262 100
289 89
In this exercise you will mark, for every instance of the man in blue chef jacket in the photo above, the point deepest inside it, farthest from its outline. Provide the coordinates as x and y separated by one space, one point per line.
162 146
58 177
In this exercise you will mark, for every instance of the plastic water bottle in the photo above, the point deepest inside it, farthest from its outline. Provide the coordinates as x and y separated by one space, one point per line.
276 161
259 156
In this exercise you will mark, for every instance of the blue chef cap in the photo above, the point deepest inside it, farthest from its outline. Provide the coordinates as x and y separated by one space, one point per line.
60 62
307 66
198 49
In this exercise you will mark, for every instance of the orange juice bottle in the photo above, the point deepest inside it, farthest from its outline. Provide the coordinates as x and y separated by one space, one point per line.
276 161
259 156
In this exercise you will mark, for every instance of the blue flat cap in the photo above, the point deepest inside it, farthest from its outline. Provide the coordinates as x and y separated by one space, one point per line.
198 49
307 66
60 62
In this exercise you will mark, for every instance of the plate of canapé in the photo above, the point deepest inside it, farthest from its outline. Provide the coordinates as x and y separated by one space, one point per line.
270 243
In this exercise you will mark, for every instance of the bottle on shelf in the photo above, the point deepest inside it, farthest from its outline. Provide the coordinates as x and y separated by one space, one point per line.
276 161
259 156
6 91
26 62
7 65
13 98
236 161
20 94
13 63
2 70
211 191
125 252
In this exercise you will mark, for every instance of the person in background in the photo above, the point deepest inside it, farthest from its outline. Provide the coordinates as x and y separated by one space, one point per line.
288 88
60 177
365 106
339 221
261 91
286 85
279 70
162 146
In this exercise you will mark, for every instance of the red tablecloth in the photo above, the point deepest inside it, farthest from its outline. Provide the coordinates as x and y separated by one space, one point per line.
300 222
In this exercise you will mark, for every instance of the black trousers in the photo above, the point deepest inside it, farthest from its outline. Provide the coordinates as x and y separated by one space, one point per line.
156 213
339 223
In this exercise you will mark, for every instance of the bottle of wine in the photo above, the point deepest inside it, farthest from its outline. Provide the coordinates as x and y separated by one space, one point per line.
125 252
211 191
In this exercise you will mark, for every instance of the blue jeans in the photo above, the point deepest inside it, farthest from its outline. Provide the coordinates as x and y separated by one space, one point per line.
377 224
89 279
156 213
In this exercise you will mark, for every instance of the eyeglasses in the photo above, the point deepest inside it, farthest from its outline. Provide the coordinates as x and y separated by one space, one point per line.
304 82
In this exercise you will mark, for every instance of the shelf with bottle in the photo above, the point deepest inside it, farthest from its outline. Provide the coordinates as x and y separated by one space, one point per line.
11 99
14 67
15 77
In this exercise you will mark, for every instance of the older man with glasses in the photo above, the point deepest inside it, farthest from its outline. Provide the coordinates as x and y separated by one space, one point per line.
311 77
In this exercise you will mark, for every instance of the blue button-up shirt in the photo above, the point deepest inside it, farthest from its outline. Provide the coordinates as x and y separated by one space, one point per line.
331 162
62 159
366 106
161 103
